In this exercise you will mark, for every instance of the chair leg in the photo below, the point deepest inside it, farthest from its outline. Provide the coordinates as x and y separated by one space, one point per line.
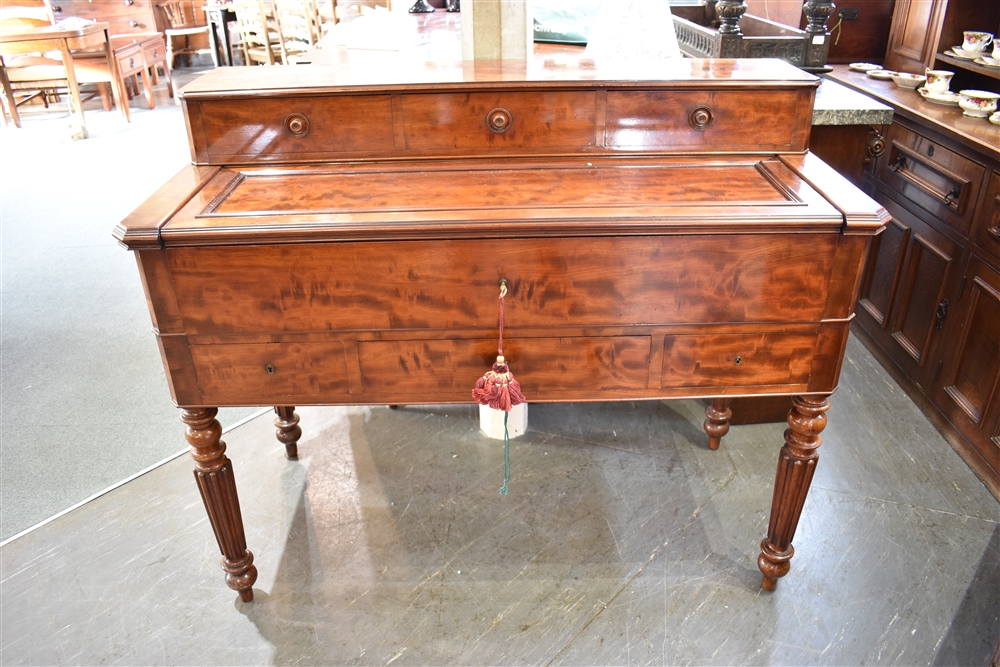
105 96
10 104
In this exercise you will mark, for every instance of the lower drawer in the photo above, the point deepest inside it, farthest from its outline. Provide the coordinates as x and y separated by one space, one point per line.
432 370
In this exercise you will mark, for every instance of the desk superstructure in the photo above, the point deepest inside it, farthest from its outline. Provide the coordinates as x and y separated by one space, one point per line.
341 235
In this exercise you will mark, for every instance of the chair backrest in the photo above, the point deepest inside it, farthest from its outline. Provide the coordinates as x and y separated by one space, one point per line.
25 13
178 12
252 20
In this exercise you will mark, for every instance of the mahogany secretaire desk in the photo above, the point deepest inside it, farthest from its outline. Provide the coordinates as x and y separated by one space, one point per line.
341 235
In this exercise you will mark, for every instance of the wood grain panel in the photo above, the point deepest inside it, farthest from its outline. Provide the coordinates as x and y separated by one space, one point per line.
541 365
658 120
928 268
885 262
255 128
472 188
539 120
737 359
552 282
269 371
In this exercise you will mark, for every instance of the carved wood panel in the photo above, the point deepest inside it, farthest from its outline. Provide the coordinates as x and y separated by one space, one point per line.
970 393
916 25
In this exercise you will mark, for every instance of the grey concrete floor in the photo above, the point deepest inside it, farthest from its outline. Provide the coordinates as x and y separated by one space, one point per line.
624 540
83 398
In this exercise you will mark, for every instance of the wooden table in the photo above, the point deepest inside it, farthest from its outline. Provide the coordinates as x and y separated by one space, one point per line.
20 40
341 236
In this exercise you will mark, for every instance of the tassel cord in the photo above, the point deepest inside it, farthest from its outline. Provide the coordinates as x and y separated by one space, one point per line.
506 456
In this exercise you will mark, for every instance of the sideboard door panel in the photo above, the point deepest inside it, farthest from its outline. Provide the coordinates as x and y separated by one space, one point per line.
882 273
970 387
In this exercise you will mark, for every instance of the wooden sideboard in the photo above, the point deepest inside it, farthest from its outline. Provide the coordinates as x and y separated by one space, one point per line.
125 17
930 300
341 236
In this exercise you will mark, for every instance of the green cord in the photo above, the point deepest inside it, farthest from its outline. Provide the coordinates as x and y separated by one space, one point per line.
506 456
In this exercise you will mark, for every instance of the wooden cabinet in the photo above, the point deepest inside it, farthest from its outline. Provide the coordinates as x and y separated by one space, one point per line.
929 303
126 17
656 238
922 30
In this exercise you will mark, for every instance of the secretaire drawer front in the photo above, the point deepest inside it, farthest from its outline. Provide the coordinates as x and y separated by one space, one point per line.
232 373
499 121
453 284
450 368
738 360
931 177
264 129
677 121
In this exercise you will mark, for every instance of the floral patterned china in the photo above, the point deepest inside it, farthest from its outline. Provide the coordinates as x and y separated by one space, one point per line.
881 74
978 103
947 98
863 67
907 80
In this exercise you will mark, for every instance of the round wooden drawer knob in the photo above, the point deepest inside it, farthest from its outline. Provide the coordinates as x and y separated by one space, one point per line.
297 125
701 118
499 120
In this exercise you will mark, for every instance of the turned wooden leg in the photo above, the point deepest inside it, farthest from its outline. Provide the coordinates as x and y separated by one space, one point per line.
214 473
796 465
717 420
288 429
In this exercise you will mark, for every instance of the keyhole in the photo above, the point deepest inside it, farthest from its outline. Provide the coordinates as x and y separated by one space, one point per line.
270 369
739 360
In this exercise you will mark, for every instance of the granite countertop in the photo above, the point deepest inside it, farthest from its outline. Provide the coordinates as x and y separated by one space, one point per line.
837 104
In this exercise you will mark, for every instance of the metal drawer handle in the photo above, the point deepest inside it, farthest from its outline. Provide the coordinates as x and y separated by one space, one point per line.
940 314
499 120
131 63
953 195
701 118
898 164
297 125
134 24
56 9
129 3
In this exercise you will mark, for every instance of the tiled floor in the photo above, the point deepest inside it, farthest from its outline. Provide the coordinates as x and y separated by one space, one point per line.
623 540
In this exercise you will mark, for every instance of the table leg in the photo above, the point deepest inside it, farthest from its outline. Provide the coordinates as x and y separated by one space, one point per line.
288 429
717 420
214 473
117 84
78 127
796 465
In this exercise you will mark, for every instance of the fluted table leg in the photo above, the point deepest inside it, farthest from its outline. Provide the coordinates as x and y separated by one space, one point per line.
717 416
289 431
214 473
796 465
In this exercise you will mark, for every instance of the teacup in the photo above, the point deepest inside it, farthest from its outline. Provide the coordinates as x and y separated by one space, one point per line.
976 42
996 50
978 103
938 80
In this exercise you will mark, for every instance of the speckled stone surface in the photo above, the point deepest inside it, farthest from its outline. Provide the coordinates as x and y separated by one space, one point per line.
839 105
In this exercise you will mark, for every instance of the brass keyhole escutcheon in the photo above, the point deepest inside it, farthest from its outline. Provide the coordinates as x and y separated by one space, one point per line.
499 120
297 125
270 369
701 118
739 360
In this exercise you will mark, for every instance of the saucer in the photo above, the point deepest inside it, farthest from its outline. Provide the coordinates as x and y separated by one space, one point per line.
995 118
881 74
863 67
986 61
959 52
949 98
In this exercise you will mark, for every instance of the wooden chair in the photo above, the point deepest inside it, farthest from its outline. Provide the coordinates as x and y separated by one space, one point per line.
300 21
30 73
179 16
261 35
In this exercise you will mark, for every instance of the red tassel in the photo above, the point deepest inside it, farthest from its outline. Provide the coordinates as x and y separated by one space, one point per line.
498 388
